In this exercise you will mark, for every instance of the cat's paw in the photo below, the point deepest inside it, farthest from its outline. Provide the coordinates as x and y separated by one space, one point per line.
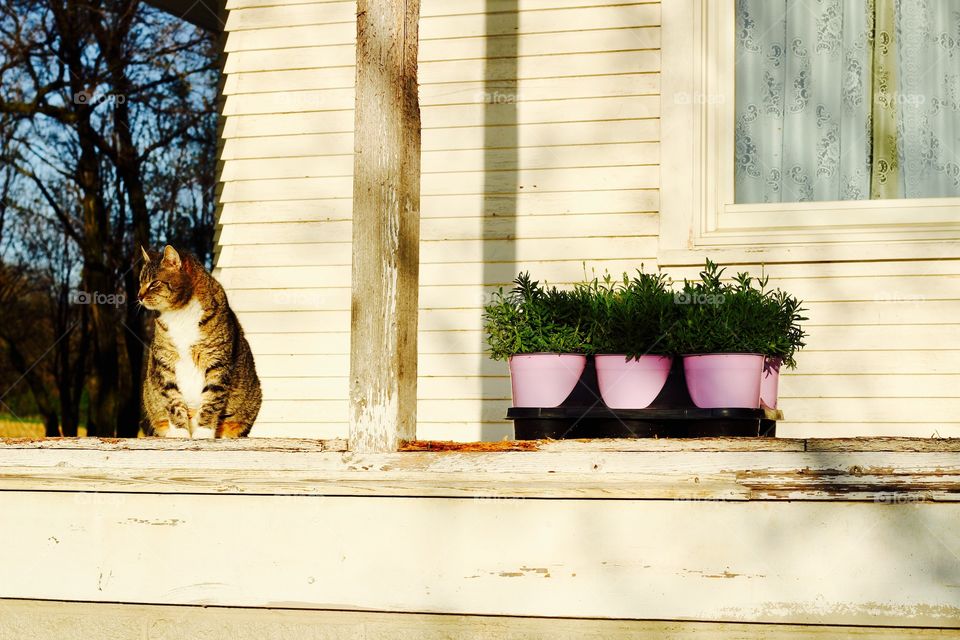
180 417
200 433
177 432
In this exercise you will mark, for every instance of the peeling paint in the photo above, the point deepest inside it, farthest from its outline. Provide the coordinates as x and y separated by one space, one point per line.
525 571
172 522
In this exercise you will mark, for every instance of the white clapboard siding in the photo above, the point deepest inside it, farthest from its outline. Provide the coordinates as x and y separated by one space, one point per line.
433 230
538 89
286 429
542 44
490 206
454 115
445 8
890 385
560 65
869 338
488 274
855 428
460 183
453 252
560 156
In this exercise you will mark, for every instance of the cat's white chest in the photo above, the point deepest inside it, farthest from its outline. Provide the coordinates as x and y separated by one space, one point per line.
183 329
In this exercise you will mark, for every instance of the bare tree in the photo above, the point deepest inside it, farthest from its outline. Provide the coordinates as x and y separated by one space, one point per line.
111 102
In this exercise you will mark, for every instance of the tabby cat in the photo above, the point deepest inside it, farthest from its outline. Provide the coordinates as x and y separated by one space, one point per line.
200 378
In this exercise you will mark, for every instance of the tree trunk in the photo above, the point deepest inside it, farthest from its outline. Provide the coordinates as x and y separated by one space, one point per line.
386 227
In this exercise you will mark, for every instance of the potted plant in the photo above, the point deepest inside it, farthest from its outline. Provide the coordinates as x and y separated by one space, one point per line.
784 338
537 330
721 335
627 323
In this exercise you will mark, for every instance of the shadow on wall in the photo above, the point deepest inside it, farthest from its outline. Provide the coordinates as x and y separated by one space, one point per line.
500 163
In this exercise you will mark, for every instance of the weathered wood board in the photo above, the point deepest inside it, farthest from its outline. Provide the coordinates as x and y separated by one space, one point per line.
36 620
818 562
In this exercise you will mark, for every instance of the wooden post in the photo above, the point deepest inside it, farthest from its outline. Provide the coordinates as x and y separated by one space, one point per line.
386 227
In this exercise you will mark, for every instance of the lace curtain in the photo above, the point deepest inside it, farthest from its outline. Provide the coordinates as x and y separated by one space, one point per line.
847 99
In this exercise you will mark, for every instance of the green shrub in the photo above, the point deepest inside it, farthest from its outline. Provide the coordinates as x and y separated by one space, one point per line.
742 316
644 314
533 318
632 316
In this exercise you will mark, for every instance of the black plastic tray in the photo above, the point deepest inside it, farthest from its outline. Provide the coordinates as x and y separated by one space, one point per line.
533 423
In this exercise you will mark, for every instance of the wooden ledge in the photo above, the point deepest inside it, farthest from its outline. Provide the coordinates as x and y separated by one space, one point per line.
896 470
304 445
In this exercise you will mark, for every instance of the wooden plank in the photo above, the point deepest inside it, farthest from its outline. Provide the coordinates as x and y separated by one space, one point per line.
471 342
450 252
465 319
297 121
455 71
302 36
386 231
330 320
529 228
828 385
37 619
543 44
531 135
288 388
289 102
317 429
930 476
545 21
290 412
493 556
854 445
563 156
468 206
285 16
475 275
560 65
477 182
175 444
861 429
471 92
440 8
826 272
466 91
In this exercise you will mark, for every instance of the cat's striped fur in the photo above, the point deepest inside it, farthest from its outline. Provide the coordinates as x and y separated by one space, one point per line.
200 376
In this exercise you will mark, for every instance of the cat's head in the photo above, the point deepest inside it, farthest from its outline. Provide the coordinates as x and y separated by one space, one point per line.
166 281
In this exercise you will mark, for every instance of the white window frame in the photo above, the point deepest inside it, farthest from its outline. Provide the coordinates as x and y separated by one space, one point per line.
698 216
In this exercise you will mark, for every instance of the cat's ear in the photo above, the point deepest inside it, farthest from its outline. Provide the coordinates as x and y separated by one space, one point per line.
171 258
146 256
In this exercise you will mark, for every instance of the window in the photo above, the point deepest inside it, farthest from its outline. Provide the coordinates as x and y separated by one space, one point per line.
705 211
846 100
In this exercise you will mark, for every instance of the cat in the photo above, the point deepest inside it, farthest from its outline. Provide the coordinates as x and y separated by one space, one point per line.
200 379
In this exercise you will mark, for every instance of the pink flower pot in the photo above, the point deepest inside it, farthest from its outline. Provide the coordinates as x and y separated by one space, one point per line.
770 383
544 379
631 384
724 380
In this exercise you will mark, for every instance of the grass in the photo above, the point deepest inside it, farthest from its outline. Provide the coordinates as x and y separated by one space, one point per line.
30 427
